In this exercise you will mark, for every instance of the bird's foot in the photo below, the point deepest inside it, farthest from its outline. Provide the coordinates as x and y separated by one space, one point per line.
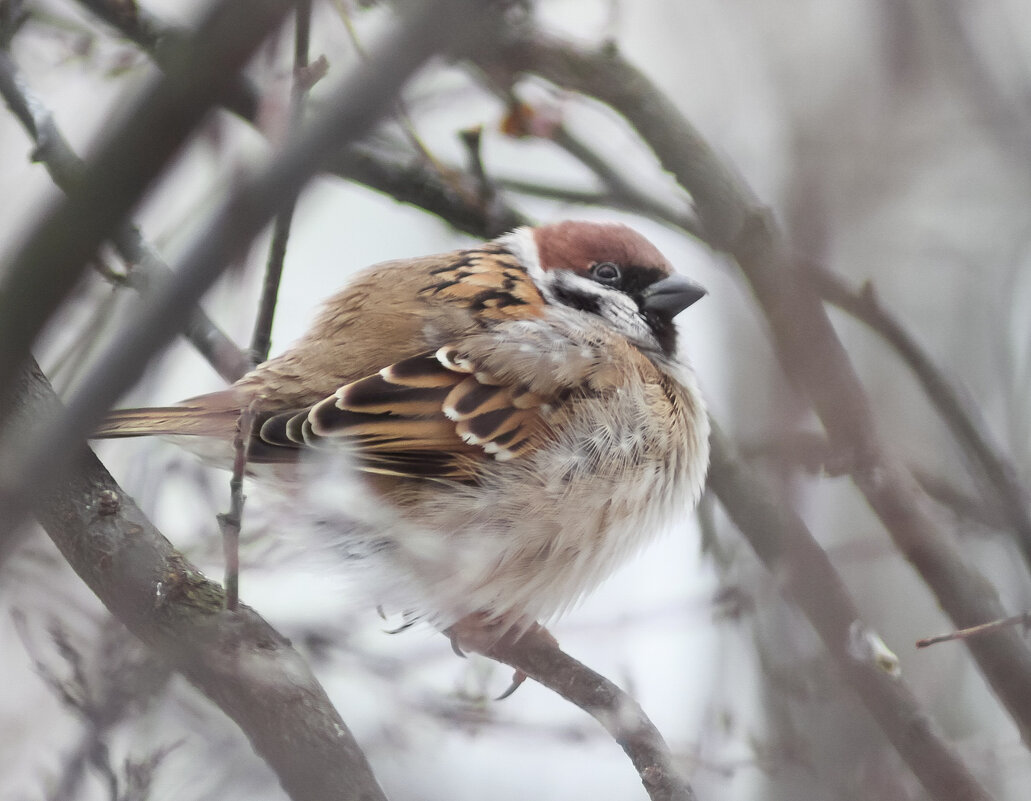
483 635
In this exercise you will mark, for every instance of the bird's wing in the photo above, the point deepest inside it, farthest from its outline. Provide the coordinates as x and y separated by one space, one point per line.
430 416
497 395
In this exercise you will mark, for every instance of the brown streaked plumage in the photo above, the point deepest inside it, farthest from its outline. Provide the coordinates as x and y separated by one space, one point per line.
519 409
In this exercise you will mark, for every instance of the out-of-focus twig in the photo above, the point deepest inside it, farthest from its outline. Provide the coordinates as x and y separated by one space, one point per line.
961 416
53 255
525 121
128 678
420 181
804 573
605 198
165 44
66 168
734 221
622 192
813 453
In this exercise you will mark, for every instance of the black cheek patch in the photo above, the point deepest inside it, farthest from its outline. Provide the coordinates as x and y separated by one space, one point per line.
576 300
665 332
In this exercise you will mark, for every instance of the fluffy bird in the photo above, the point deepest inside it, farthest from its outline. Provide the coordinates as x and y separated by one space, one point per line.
518 416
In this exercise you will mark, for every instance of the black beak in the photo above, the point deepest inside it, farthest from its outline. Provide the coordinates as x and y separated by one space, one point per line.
671 295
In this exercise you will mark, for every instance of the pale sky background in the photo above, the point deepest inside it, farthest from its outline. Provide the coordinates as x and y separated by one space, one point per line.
652 628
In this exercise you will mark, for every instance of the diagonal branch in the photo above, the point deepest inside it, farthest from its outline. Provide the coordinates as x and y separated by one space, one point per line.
51 259
542 660
806 343
405 179
806 576
960 415
66 169
235 658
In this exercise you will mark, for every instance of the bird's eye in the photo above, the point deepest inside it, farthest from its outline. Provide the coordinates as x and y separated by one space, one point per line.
606 272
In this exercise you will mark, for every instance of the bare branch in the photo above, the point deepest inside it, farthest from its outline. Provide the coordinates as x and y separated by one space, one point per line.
452 197
623 193
807 345
542 660
165 44
66 168
53 256
231 522
813 453
953 404
235 658
411 181
261 339
805 575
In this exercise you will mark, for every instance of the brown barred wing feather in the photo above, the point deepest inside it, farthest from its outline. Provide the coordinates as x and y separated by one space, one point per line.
430 416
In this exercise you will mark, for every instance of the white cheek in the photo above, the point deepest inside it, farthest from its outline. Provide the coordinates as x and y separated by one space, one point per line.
522 244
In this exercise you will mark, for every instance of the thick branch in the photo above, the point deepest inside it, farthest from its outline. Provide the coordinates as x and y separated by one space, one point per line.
806 342
235 658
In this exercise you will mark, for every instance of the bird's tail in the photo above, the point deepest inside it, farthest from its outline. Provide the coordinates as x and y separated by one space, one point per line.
188 420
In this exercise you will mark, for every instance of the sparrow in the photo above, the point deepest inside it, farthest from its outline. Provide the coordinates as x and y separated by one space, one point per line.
517 415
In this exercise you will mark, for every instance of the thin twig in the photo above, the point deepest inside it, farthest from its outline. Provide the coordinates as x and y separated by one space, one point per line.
165 42
623 193
605 198
261 339
523 120
449 194
1023 619
404 118
813 453
231 522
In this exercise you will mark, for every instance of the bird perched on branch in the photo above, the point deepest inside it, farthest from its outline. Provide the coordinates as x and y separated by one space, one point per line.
518 415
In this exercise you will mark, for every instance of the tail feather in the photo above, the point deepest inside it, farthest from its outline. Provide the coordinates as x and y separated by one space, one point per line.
168 420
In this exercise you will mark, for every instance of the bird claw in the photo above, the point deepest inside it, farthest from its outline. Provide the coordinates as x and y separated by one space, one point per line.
518 677
479 634
455 646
